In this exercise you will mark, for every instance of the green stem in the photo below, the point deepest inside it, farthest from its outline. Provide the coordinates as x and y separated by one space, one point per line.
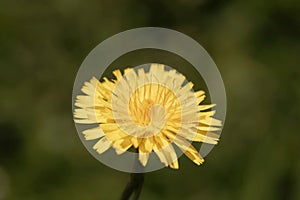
134 185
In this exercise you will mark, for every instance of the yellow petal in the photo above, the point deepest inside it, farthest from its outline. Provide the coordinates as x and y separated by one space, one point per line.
117 74
88 89
206 139
205 107
204 115
148 144
122 145
194 135
188 150
160 155
94 81
145 147
84 121
200 99
102 145
211 121
208 128
135 142
109 127
94 133
199 93
143 158
170 155
114 135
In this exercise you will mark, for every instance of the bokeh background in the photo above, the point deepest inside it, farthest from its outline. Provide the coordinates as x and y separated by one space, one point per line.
256 45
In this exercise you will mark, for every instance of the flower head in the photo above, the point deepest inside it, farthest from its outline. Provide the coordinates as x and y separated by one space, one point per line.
150 111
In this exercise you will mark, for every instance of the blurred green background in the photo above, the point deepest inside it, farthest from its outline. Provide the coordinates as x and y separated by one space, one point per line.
255 44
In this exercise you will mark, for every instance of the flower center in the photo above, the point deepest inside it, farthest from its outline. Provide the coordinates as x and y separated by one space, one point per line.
151 104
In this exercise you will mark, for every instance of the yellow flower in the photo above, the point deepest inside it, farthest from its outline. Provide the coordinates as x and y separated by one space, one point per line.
150 111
